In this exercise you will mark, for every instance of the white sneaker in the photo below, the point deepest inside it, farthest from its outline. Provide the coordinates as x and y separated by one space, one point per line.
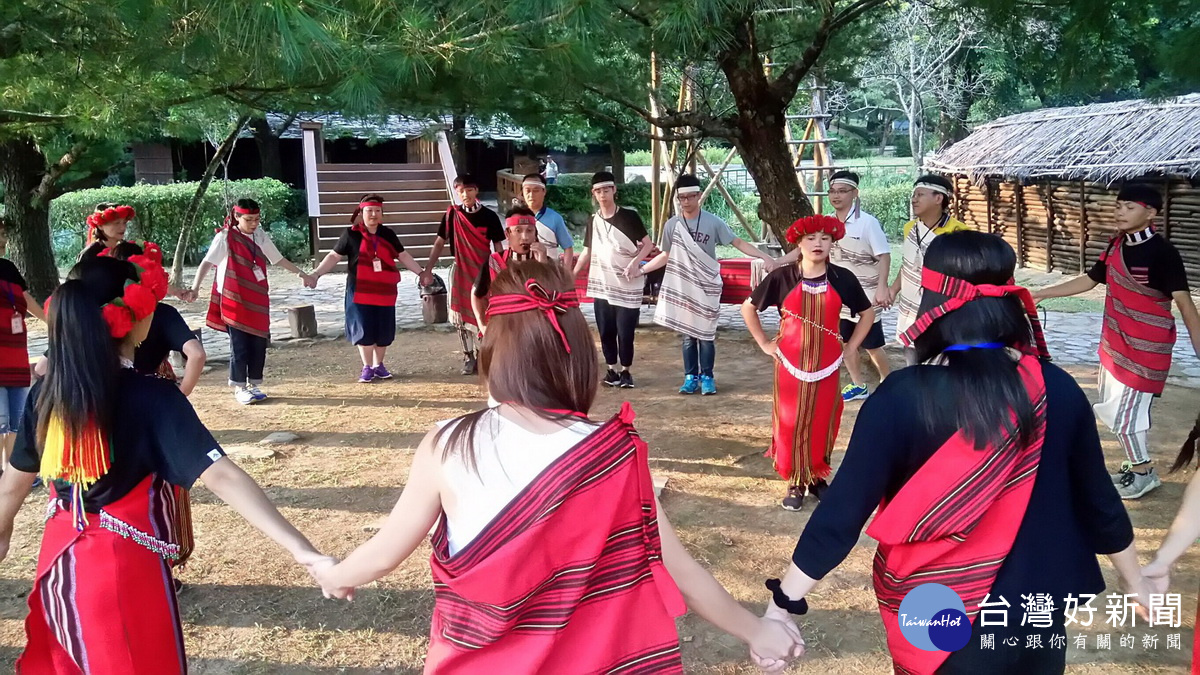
256 392
244 396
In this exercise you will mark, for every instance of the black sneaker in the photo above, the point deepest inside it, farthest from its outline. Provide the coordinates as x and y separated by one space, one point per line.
794 501
818 489
470 367
612 379
626 381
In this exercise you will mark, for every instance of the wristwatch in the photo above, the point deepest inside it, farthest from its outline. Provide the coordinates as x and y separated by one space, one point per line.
782 601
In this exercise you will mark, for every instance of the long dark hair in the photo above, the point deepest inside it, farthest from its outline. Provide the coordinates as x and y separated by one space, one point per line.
1188 450
81 379
524 363
985 390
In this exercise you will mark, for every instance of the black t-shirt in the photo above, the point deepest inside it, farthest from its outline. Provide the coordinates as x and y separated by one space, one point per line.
1155 262
10 273
1074 511
350 242
156 431
168 333
772 291
484 219
627 222
93 250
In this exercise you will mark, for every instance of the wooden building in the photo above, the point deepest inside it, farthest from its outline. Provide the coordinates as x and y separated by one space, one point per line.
1047 180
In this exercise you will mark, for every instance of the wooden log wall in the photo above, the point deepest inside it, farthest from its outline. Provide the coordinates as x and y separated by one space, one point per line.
1065 225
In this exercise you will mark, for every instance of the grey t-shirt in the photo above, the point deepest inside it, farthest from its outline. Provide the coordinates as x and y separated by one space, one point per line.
708 230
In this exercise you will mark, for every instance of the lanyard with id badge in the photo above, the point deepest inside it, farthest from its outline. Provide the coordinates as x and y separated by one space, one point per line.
259 273
18 321
376 263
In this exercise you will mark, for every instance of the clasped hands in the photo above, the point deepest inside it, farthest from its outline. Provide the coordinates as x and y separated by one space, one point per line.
318 566
776 642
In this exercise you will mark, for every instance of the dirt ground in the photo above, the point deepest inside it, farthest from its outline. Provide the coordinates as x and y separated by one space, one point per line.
247 609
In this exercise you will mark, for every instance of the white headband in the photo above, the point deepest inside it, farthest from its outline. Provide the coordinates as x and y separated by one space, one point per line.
532 181
935 187
688 189
604 184
844 181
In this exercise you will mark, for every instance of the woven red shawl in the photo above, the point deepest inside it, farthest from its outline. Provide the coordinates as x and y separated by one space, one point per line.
1139 329
371 287
471 248
14 349
244 303
568 578
954 522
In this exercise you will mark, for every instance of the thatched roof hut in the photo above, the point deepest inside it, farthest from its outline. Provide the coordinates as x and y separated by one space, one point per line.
1047 180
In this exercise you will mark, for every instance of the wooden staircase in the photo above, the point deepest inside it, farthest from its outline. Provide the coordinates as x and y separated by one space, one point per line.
415 197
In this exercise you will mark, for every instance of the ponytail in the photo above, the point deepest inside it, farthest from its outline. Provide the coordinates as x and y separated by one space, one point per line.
1187 452
80 384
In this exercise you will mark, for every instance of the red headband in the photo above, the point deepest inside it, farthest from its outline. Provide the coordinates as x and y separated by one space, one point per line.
243 211
960 293
813 224
519 219
364 205
109 215
553 303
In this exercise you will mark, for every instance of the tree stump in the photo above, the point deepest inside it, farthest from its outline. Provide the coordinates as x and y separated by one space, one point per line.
302 320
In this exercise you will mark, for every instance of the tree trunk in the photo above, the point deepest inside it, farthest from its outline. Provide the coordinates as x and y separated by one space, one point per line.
267 141
189 216
616 150
22 168
759 135
916 136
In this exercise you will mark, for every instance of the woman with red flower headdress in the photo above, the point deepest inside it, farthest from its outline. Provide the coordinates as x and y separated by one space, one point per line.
106 228
116 447
808 353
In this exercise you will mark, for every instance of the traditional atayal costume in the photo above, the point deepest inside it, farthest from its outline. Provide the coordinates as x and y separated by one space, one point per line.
808 402
371 282
14 347
470 234
1138 334
859 252
239 304
991 523
614 243
917 238
601 601
103 599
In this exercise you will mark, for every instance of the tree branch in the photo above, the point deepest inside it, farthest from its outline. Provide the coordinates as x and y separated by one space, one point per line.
14 116
44 192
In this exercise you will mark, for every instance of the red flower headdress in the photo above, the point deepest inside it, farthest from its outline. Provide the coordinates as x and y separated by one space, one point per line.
140 297
812 224
109 215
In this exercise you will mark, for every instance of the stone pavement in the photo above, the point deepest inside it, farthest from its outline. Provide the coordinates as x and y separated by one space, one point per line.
1073 337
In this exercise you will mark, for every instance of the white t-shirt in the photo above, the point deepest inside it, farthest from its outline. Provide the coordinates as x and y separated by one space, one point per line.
859 252
218 253
507 459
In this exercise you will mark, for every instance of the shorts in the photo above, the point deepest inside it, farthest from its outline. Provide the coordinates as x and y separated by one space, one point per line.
12 408
370 325
874 339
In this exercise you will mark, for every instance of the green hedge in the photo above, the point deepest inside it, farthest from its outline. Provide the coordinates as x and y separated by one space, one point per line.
160 210
888 203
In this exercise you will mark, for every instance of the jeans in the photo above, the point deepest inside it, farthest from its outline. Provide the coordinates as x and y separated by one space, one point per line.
247 356
12 408
616 326
698 356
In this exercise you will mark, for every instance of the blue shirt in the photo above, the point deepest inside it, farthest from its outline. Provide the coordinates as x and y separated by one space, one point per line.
554 221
